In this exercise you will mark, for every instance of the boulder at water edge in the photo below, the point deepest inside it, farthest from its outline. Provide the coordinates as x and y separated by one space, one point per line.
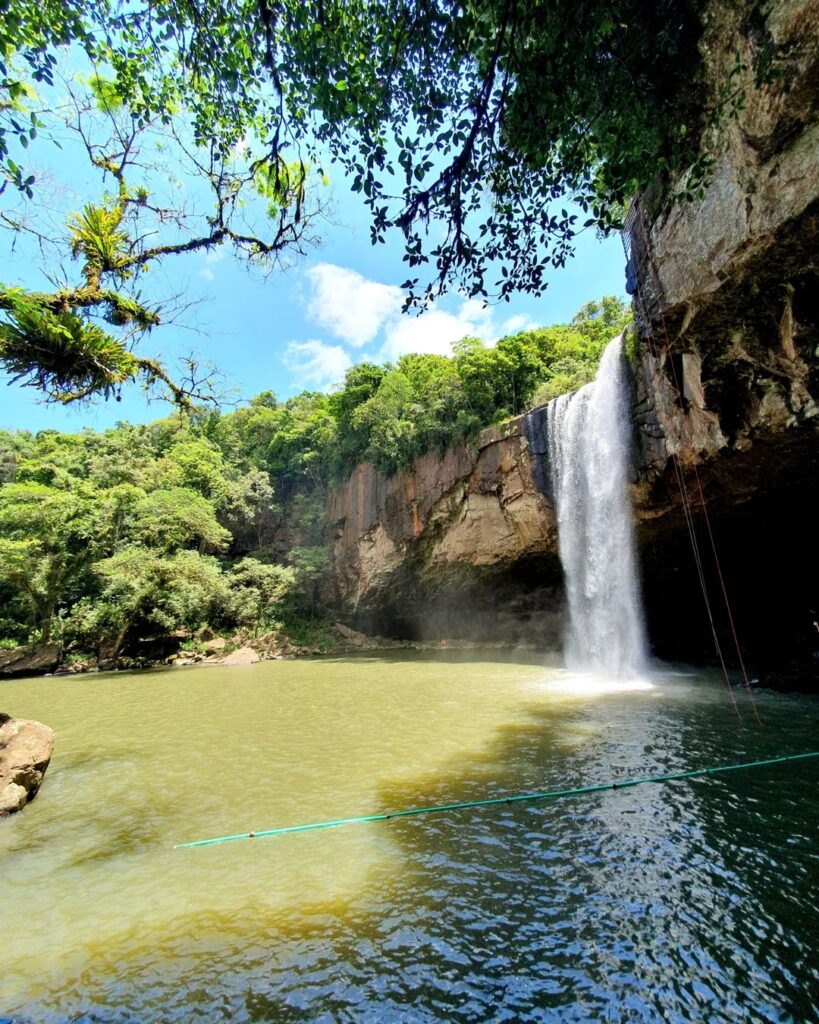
25 751
27 661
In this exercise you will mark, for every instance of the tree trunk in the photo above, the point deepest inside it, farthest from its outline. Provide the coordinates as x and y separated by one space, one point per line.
109 653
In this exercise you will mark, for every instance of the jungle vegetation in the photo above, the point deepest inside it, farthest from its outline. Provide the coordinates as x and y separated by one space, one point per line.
218 520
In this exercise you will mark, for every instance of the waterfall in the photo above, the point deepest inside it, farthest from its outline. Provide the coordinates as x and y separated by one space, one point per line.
589 456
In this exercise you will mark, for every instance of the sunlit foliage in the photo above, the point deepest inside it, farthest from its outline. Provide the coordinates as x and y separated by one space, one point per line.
487 134
220 520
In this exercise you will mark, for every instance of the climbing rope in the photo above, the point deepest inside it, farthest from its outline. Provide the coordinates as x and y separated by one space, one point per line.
658 287
644 307
725 598
553 794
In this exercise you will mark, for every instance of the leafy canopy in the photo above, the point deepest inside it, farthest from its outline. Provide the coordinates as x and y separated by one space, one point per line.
466 127
157 187
114 535
220 520
391 414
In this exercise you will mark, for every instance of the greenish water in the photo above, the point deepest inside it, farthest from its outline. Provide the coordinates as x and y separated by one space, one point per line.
689 901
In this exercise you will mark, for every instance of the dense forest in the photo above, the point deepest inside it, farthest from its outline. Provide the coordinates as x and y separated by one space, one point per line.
168 528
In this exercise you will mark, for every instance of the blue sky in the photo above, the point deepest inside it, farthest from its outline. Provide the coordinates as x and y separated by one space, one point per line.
301 328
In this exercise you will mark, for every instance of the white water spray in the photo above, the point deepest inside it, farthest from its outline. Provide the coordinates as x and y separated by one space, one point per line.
589 456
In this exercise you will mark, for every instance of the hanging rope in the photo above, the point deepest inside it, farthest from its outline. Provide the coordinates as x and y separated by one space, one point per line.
658 290
494 801
725 598
644 307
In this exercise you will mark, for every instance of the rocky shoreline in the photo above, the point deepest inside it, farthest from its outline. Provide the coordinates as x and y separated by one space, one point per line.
237 651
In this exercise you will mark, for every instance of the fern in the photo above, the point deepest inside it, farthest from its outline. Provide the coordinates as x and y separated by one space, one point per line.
97 237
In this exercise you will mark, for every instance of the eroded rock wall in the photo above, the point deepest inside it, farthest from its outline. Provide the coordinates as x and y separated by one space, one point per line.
764 181
728 296
435 551
726 369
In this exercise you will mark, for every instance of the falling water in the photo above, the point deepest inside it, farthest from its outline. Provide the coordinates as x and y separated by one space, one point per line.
589 457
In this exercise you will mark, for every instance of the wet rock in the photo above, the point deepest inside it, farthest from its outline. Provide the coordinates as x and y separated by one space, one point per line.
25 753
765 173
725 369
25 661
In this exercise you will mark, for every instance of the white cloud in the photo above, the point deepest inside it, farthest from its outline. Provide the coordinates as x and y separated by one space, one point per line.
357 311
517 323
349 305
315 364
475 313
435 330
241 147
211 258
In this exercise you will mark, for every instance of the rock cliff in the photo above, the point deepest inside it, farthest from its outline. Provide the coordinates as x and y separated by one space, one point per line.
726 373
413 552
725 388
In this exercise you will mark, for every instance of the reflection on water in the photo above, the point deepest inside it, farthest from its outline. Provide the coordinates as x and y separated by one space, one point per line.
681 902
590 684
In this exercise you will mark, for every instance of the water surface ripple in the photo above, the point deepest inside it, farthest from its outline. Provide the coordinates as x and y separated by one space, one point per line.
687 901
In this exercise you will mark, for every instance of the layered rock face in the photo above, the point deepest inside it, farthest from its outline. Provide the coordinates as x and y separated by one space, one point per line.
463 544
725 381
728 302
25 753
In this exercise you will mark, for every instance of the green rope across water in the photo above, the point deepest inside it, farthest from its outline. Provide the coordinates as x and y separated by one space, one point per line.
492 801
